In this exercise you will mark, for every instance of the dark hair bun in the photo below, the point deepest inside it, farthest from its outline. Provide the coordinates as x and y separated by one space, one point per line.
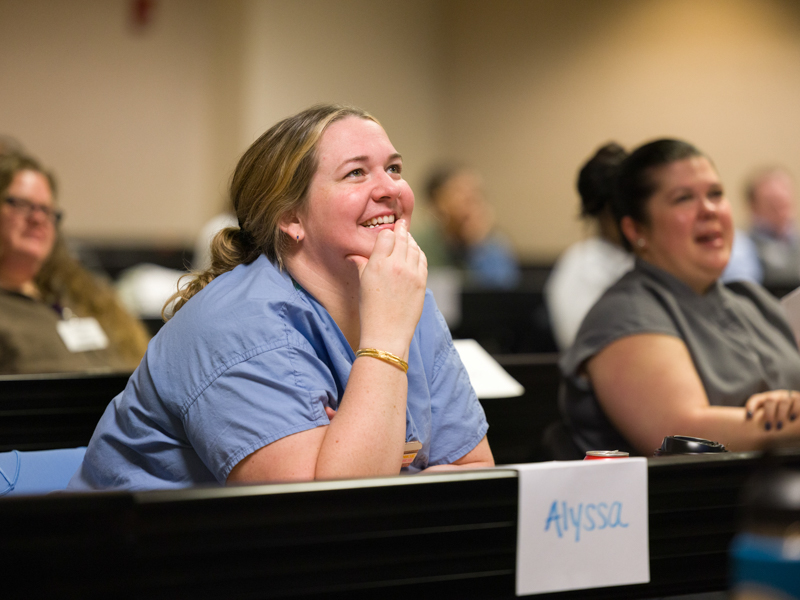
597 179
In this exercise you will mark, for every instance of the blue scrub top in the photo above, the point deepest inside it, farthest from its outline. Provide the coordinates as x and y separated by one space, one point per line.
248 360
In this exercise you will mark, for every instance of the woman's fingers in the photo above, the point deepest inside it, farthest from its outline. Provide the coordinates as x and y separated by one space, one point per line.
392 283
769 410
401 236
414 251
774 409
330 413
385 245
359 261
390 242
787 409
755 402
422 261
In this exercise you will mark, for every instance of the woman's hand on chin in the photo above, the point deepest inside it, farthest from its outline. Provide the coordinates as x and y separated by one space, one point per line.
392 290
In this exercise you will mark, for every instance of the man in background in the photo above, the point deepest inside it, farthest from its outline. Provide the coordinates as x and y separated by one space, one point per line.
771 198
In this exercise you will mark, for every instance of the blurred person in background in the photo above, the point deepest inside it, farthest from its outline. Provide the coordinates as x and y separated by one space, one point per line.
771 198
744 264
669 349
54 315
589 267
463 235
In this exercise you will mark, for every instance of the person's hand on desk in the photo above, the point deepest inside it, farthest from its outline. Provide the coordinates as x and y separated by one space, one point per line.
773 410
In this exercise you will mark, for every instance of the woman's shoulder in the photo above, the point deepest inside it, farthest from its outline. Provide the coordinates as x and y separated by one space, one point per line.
239 317
251 306
751 295
633 305
755 293
634 294
259 282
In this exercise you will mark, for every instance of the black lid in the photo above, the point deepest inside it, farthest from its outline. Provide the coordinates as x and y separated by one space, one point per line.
684 444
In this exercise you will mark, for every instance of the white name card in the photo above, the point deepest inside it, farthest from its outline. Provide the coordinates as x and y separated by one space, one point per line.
582 524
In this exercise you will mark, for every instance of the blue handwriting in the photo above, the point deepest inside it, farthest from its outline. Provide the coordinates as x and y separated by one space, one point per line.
583 517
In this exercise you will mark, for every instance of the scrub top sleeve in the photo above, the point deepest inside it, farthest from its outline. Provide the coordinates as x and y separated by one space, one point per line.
256 402
458 420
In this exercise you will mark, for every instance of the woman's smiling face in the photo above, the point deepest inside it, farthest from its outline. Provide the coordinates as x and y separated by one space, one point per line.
357 191
689 232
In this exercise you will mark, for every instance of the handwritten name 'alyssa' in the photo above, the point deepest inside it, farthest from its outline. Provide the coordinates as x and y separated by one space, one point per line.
588 517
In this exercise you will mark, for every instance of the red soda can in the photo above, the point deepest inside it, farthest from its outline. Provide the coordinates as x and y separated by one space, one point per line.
601 454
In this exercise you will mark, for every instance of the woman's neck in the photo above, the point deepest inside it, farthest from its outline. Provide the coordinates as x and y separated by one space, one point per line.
337 293
699 283
17 276
608 229
26 288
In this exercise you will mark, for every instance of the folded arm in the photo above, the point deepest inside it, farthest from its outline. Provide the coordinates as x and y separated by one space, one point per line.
479 457
649 388
365 439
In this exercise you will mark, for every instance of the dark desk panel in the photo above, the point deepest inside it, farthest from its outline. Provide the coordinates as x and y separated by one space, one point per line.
437 536
506 321
516 425
39 412
61 546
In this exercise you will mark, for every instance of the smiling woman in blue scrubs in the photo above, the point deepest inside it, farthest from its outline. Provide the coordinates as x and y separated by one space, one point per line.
310 349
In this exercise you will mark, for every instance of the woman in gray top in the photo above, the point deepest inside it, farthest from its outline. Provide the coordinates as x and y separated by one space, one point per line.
668 349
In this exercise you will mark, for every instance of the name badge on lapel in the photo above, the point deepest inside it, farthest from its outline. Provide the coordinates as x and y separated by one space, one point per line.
82 334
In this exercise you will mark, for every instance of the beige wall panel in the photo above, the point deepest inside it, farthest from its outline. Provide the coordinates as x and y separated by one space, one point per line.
123 118
377 54
144 129
535 86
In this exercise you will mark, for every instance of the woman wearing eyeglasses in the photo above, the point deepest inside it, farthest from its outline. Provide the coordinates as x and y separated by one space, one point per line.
54 316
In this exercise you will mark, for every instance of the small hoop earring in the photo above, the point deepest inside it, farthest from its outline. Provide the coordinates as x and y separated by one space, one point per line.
640 242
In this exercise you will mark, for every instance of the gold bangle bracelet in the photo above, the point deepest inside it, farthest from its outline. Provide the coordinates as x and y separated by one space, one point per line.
384 356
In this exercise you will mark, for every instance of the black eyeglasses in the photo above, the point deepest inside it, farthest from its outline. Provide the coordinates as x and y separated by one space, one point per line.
26 207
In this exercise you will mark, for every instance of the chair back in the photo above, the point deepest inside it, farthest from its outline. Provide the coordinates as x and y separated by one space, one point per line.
38 472
41 412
